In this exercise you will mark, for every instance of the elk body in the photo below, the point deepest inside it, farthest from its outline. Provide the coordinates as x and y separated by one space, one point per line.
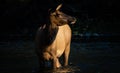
54 38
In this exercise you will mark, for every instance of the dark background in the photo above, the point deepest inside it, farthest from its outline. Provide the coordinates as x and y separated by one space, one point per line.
23 17
95 46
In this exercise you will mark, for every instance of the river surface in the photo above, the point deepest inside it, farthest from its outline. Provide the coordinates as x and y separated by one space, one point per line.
85 57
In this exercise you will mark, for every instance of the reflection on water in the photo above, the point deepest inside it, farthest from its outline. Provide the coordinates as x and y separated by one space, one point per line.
92 57
69 69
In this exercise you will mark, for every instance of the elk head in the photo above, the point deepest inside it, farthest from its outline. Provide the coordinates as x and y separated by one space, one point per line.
59 18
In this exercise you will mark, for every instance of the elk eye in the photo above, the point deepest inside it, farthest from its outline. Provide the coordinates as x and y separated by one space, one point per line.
57 14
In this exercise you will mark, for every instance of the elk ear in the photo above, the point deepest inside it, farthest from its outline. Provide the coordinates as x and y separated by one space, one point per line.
59 6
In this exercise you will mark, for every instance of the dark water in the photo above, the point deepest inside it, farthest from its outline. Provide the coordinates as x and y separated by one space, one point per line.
88 57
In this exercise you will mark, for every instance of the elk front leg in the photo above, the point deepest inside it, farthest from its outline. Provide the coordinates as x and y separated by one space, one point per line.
56 63
66 55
